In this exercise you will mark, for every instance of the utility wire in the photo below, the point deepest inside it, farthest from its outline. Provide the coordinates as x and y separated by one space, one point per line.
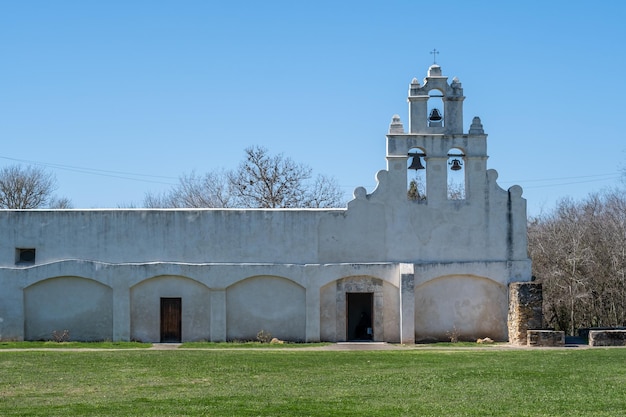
612 175
568 180
583 179
146 177
100 172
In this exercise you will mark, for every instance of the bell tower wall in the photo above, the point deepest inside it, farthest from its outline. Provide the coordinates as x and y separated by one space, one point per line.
422 120
439 133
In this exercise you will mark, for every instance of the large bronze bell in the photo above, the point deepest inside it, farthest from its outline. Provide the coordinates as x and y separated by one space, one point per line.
456 165
416 163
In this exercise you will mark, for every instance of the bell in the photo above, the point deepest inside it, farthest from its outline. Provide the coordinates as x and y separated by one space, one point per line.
416 163
435 116
456 165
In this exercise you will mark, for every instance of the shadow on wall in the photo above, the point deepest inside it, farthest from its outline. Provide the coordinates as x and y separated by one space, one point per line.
465 306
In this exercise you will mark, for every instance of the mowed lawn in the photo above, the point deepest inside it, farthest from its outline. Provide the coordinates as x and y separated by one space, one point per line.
411 382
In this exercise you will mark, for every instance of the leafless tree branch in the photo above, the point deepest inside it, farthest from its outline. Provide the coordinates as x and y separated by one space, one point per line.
27 188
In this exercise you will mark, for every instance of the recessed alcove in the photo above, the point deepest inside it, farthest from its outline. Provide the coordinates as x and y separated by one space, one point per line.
416 175
435 108
456 174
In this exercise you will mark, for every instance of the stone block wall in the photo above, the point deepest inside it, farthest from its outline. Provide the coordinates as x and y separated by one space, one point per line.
545 338
607 338
525 304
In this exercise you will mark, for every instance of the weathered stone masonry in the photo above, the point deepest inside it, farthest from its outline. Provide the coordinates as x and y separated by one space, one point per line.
525 304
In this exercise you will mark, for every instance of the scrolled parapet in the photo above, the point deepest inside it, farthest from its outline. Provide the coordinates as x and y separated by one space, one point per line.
436 80
451 91
515 191
360 193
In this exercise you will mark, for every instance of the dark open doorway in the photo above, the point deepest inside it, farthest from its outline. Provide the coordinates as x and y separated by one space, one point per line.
359 313
171 320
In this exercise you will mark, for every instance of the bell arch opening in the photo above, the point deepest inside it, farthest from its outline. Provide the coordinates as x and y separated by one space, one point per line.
416 175
435 108
456 174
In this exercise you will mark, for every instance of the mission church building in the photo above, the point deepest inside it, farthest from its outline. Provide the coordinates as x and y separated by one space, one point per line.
409 261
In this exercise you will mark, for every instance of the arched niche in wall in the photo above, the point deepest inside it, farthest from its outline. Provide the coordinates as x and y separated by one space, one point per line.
468 306
456 174
146 307
435 108
335 309
80 306
270 303
416 175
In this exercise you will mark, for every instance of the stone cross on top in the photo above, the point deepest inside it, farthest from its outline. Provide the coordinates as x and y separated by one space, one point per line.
434 53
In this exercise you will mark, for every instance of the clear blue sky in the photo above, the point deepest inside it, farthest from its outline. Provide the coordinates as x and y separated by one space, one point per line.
119 98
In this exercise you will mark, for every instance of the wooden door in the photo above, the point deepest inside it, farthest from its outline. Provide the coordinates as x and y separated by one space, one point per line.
171 322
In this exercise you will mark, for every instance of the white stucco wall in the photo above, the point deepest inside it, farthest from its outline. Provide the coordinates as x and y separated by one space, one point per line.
374 228
386 312
430 265
82 306
472 307
145 307
271 304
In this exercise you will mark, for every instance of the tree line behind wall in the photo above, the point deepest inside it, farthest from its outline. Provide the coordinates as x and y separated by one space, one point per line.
579 255
262 180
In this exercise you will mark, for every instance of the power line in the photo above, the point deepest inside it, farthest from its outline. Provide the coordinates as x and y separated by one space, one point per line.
612 175
582 179
146 177
100 172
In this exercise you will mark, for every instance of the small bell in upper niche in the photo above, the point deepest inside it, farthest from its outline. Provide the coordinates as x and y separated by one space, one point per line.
435 115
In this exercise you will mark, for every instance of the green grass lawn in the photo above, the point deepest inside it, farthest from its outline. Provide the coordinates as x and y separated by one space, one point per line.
240 382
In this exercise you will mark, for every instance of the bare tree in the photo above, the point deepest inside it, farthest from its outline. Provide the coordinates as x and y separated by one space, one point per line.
272 181
194 191
25 187
417 190
261 181
60 203
268 181
456 191
324 193
579 254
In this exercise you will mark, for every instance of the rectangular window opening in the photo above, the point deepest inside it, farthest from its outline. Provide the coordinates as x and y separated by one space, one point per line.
24 256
